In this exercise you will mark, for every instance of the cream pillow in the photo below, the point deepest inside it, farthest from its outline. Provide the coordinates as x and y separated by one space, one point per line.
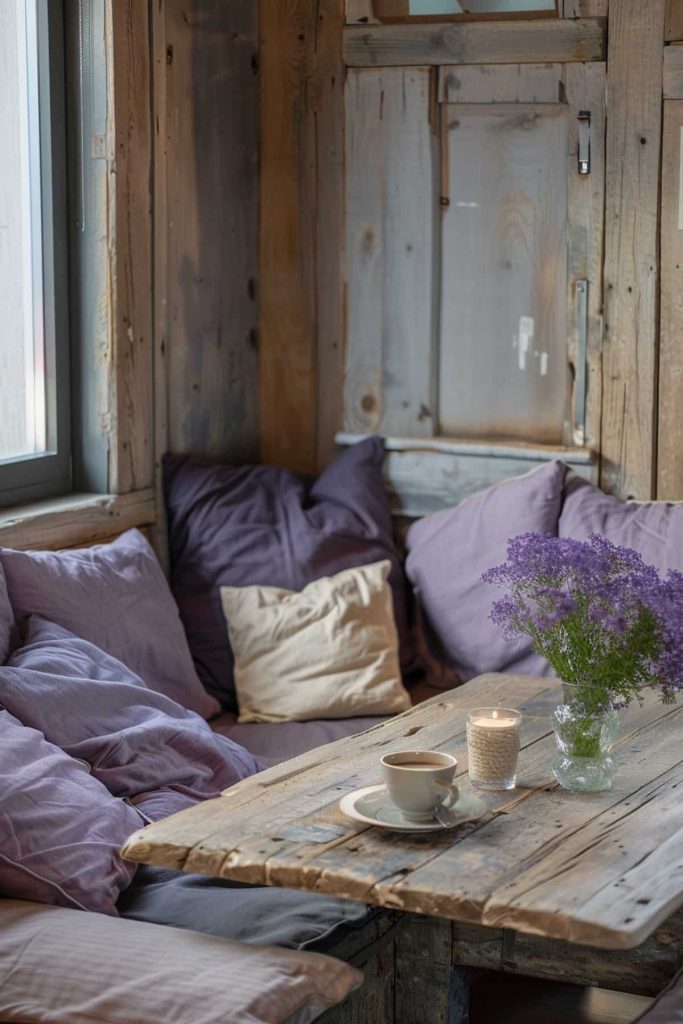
330 651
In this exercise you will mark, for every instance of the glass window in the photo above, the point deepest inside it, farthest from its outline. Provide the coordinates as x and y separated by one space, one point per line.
34 413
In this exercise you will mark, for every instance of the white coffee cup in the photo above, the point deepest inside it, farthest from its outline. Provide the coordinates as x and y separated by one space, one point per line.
419 781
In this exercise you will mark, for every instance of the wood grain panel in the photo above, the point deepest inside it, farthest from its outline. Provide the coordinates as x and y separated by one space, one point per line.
673 73
288 394
500 83
326 93
211 226
633 146
131 454
669 449
585 91
585 8
494 42
390 252
673 25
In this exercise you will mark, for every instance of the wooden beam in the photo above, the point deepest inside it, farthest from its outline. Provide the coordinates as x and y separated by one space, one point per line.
211 227
673 73
669 450
585 8
326 100
493 42
131 455
76 520
673 25
633 146
288 386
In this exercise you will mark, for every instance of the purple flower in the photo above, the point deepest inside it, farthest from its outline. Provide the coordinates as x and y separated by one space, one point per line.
596 611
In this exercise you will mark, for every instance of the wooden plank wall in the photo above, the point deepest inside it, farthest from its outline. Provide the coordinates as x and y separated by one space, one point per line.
206 98
635 361
301 199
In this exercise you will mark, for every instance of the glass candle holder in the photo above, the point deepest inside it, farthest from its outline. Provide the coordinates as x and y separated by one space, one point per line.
493 747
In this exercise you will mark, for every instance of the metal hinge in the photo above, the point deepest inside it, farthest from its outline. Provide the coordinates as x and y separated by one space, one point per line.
584 120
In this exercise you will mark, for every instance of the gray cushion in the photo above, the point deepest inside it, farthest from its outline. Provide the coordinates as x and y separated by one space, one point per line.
230 910
274 742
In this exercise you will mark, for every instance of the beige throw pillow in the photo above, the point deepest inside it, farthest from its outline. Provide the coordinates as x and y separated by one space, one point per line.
330 651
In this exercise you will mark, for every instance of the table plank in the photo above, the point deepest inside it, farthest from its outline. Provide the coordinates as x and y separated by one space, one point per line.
600 869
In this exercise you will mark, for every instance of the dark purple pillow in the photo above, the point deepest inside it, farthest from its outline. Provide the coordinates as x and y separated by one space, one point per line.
653 528
60 830
137 742
116 596
449 551
6 619
258 525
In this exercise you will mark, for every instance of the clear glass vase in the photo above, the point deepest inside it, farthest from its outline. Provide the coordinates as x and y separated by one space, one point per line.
585 737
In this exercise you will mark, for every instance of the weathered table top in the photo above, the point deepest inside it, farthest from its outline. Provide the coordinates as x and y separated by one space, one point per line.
602 869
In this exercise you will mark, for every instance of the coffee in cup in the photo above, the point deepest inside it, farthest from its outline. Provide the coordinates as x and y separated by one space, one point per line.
418 781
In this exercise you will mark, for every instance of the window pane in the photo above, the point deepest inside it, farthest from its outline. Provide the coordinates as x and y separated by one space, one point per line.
22 351
478 6
503 352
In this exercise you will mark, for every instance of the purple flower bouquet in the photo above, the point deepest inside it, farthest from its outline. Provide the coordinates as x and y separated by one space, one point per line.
607 623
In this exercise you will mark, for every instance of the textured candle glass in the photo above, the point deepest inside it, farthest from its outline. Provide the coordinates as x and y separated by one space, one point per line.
493 747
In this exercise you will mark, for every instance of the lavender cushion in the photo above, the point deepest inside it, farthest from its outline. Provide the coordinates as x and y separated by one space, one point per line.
60 830
237 527
116 596
653 528
6 619
449 551
140 744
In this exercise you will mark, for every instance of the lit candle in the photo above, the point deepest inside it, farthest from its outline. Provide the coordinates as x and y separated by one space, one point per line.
493 747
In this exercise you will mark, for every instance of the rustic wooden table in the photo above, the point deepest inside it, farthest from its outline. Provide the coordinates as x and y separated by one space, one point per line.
600 869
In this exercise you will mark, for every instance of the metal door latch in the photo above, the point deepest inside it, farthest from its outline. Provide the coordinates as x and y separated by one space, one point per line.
584 119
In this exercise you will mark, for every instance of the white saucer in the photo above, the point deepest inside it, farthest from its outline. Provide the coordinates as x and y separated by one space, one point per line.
374 806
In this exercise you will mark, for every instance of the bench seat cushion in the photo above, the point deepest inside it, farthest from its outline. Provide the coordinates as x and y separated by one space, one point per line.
274 742
66 967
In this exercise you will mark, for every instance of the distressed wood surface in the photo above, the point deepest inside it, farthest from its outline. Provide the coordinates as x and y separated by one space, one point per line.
500 83
584 86
542 861
131 454
160 268
288 386
673 24
504 42
326 109
631 275
211 147
673 73
503 316
669 450
75 519
645 970
585 8
390 252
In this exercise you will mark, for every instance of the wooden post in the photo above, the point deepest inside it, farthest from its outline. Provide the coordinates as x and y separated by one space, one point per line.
670 453
633 146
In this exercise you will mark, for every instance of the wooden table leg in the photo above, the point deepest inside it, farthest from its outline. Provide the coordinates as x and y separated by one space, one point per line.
459 995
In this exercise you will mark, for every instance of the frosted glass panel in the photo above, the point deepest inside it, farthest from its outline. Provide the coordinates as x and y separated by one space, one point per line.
22 370
503 350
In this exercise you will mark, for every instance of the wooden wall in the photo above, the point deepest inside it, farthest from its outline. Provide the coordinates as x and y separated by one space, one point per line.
636 334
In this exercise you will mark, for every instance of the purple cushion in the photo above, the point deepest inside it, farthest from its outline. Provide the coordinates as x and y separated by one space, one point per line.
6 619
116 596
60 830
237 527
449 551
653 528
138 742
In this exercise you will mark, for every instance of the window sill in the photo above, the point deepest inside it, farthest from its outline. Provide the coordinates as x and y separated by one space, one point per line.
75 520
